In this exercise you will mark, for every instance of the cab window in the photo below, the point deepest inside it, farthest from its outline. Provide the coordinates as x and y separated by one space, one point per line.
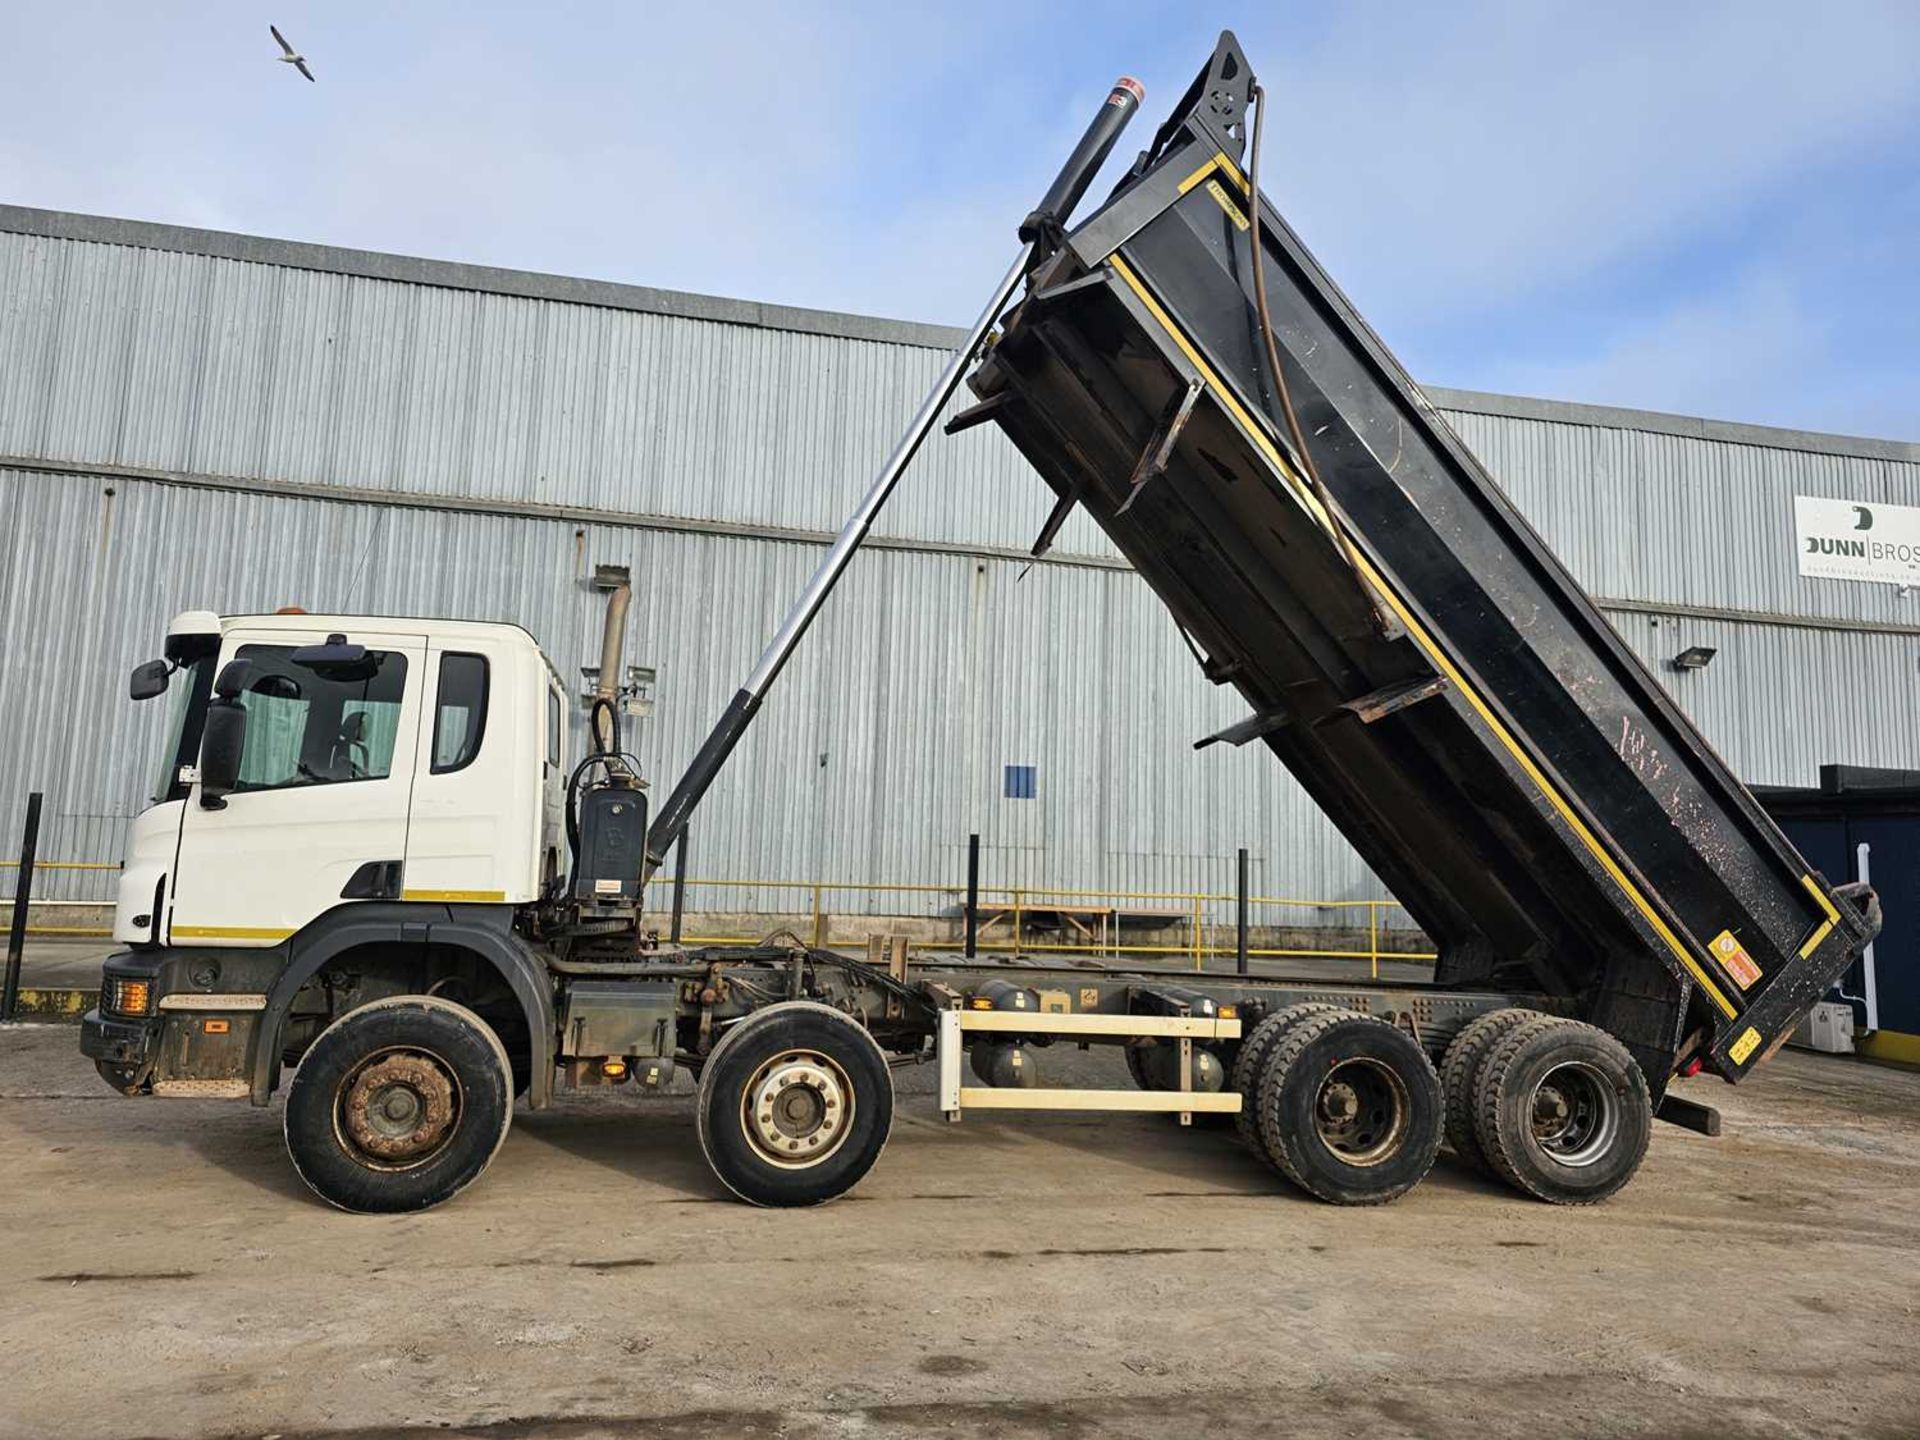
311 727
460 712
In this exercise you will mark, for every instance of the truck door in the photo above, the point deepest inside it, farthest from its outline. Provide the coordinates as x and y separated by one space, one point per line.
325 788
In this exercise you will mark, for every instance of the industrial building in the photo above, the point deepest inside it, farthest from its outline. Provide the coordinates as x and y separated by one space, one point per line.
192 419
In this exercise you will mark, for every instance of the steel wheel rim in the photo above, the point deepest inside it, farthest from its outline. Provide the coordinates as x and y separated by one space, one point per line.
1360 1112
398 1108
1575 1114
797 1109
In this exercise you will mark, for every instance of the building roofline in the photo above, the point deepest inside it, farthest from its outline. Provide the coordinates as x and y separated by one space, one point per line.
607 294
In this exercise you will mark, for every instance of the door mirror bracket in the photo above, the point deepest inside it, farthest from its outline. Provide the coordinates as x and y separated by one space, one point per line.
224 741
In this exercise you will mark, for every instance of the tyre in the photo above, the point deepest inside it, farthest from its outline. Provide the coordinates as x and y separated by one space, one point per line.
398 1105
795 1105
1460 1068
1244 1078
1350 1109
1561 1112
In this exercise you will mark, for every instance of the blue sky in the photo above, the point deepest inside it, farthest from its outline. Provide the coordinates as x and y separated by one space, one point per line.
1709 208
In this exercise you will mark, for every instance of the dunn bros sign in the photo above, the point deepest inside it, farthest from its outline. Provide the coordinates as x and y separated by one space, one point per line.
1845 540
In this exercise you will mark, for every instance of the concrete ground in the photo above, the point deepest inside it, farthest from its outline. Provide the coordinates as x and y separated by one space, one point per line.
164 1273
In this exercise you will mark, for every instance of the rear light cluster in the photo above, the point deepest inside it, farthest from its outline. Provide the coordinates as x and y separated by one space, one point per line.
124 995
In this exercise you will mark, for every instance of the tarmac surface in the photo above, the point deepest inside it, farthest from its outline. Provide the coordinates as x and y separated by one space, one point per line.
166 1274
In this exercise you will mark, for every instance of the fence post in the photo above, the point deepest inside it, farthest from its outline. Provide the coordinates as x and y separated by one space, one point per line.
1373 936
679 886
1016 921
973 895
819 919
1197 937
1240 938
22 893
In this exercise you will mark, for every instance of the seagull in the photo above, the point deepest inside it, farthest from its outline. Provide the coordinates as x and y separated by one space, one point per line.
299 62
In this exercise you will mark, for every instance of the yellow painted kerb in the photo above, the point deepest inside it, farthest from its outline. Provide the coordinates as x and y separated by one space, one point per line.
1427 643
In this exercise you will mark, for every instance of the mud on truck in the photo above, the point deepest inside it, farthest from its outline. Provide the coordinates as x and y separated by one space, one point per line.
372 876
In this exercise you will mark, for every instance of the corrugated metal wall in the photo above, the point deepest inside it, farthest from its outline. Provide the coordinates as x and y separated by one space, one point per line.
934 667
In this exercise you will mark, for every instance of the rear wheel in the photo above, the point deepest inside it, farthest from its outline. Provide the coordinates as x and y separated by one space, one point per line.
1244 1078
1562 1112
398 1105
795 1105
1350 1109
1460 1069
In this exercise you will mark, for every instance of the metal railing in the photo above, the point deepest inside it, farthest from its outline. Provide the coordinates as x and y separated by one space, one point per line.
1042 920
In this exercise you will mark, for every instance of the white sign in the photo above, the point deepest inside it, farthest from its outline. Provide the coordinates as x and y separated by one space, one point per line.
1846 540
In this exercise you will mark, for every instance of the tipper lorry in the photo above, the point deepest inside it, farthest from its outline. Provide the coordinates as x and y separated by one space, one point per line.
372 871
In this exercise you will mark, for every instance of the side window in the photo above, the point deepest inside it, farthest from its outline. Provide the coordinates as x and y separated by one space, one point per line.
553 728
460 714
311 727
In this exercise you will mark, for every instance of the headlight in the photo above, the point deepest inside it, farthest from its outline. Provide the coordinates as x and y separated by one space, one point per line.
126 996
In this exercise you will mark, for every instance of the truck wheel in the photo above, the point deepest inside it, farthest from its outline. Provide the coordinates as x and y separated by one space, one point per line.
1561 1111
1460 1068
795 1105
1244 1078
1350 1109
398 1105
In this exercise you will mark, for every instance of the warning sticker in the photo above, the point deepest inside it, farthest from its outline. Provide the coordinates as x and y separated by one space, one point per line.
1089 998
1735 960
1744 1046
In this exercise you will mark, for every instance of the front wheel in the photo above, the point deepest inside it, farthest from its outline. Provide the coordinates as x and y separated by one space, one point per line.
399 1105
795 1105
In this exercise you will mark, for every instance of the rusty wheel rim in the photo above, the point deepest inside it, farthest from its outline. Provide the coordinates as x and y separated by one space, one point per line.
1360 1112
398 1109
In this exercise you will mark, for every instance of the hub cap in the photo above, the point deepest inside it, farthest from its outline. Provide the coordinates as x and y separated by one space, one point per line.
398 1109
1576 1114
1361 1112
797 1109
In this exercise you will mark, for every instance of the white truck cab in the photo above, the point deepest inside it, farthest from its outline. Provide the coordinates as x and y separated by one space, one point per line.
382 758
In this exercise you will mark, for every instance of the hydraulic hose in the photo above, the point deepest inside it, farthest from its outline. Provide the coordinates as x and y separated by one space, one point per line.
1309 470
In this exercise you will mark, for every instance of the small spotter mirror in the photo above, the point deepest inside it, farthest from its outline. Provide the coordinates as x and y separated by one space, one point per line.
148 680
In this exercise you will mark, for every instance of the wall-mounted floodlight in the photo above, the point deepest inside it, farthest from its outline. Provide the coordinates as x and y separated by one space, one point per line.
1694 657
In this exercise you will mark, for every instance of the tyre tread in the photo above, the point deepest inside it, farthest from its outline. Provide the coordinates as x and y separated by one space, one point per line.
1458 1068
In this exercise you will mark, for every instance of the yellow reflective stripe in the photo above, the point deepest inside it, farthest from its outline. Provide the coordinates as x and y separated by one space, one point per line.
1826 928
228 932
1434 652
1219 162
478 897
1197 176
1225 396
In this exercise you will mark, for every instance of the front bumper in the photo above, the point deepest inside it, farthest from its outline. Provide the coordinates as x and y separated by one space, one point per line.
122 1050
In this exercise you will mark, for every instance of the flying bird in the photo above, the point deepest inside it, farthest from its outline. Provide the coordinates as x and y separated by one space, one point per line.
292 57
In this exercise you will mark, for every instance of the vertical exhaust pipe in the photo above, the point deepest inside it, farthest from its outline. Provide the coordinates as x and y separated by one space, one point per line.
616 581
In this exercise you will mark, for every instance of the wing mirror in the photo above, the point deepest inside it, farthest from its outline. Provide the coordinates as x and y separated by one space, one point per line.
148 680
224 741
